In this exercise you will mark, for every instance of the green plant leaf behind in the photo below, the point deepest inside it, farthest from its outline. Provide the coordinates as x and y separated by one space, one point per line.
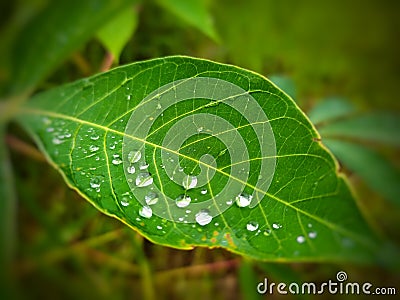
60 28
331 109
118 140
285 83
374 169
193 12
374 127
117 32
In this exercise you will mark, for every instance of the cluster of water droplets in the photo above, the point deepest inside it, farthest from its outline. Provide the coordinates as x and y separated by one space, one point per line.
57 130
303 238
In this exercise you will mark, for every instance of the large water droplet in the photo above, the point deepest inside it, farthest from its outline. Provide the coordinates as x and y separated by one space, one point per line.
146 212
131 169
203 217
243 200
183 201
151 198
144 179
189 182
95 182
125 201
300 239
252 226
94 137
229 202
134 156
203 192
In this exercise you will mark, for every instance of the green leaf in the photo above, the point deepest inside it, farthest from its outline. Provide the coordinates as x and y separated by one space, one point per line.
375 127
330 109
193 12
117 32
374 169
212 132
285 83
52 35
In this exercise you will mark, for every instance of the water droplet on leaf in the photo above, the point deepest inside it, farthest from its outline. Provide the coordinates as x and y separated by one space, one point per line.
243 200
95 182
252 226
146 212
189 182
203 217
116 161
143 165
312 235
134 156
151 198
183 201
125 201
131 169
276 226
144 179
57 141
93 148
300 239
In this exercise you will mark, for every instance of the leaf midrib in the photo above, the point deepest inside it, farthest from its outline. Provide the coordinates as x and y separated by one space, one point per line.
32 111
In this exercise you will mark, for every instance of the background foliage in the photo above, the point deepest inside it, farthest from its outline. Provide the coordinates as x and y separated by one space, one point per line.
67 249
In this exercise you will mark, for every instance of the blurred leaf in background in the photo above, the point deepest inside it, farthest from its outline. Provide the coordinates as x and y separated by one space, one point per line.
117 32
326 48
350 136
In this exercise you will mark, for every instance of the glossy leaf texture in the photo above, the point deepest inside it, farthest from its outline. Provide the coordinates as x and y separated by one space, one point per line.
112 137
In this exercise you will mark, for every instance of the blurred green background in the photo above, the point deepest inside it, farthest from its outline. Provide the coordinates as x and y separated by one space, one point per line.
313 49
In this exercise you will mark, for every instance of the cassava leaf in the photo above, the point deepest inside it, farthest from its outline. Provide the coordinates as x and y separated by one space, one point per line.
194 153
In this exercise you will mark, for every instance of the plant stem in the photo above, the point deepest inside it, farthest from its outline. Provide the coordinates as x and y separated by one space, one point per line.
107 62
24 148
8 207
